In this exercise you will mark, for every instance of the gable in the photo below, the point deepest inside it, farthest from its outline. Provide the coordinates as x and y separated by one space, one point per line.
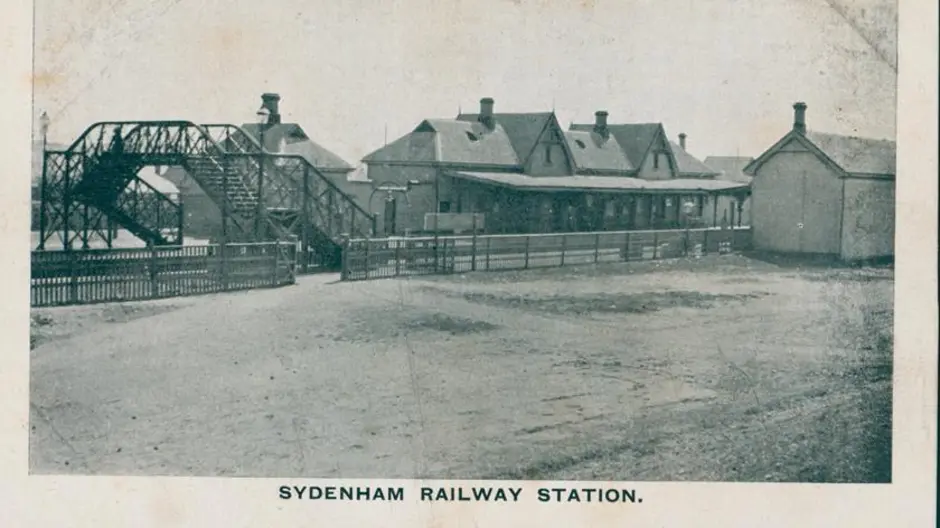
550 155
791 142
659 146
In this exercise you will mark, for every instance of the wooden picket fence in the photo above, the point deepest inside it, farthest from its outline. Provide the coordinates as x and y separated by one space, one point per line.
393 257
106 275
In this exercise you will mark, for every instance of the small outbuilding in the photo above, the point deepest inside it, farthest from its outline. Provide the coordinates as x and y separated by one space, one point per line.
824 194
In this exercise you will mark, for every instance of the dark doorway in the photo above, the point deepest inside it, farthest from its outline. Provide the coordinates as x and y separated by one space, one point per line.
391 207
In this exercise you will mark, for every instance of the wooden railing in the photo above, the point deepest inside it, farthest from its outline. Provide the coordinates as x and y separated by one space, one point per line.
392 257
106 275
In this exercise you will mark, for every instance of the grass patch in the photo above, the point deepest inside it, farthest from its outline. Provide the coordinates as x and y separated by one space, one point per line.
50 324
376 324
449 324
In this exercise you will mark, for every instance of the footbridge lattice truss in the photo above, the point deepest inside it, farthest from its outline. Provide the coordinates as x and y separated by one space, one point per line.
94 184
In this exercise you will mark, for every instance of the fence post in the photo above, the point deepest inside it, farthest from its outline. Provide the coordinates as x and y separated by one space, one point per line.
367 258
223 249
626 246
655 245
397 258
154 285
179 224
487 254
527 251
344 257
564 245
73 277
597 246
453 256
704 241
277 254
473 245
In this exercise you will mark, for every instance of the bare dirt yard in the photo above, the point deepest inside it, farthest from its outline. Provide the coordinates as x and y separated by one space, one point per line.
720 369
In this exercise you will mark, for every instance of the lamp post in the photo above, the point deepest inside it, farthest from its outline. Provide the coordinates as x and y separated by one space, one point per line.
44 122
263 118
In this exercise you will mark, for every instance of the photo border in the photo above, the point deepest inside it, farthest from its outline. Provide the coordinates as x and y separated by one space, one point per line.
172 501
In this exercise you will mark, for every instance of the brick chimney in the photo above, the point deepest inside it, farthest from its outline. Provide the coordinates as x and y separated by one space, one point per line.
799 117
682 137
600 123
270 102
486 113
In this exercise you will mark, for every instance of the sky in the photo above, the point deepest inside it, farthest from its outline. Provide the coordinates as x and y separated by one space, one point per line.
355 74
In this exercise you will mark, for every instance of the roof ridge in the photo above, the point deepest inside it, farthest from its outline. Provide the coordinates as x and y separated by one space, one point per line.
849 136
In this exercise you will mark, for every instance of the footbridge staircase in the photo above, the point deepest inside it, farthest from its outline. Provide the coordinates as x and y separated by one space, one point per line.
94 186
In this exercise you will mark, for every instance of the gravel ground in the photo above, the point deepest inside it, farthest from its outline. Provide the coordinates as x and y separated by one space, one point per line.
740 370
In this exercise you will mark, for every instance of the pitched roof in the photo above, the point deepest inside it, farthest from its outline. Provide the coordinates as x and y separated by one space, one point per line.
297 142
849 154
418 145
857 155
730 168
591 152
689 165
466 142
450 141
634 139
523 129
599 183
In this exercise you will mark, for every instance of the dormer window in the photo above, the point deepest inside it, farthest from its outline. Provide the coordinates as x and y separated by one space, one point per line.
656 161
548 154
580 143
472 137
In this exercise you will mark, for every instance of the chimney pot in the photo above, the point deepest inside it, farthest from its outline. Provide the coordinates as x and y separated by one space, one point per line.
600 123
270 102
799 117
682 137
486 113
